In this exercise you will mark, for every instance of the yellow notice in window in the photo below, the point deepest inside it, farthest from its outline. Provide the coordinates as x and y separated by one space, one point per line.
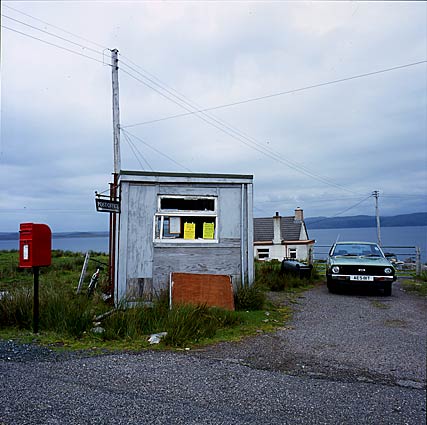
208 230
189 231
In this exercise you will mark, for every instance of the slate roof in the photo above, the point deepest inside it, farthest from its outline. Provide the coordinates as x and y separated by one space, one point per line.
263 229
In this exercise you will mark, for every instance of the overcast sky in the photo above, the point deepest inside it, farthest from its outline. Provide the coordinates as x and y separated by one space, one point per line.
324 149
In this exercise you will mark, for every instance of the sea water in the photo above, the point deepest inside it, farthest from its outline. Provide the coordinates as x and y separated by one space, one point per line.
74 244
391 237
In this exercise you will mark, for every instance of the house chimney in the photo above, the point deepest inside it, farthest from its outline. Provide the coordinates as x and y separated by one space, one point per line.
299 214
277 234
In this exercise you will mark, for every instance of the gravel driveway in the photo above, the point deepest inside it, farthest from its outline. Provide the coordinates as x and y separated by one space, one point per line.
355 335
344 359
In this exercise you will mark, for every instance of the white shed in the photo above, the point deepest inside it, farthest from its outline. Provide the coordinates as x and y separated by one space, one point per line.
181 222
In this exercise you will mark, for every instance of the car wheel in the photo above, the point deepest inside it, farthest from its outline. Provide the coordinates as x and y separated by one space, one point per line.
387 289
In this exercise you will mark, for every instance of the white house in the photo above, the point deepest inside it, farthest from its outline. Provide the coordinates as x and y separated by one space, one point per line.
282 237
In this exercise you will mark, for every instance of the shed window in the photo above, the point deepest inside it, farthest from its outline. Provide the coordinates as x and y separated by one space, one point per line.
187 204
186 219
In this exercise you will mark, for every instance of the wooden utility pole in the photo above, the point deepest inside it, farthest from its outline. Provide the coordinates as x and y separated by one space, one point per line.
116 109
376 193
116 171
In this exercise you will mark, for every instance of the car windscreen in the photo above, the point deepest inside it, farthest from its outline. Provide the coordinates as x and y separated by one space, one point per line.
357 249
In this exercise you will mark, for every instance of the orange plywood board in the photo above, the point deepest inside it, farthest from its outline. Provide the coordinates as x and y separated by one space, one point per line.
210 289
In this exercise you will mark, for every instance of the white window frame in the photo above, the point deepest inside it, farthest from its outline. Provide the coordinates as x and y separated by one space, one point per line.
262 252
162 213
292 251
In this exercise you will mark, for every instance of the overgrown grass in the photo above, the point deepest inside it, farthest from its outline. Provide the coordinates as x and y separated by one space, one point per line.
418 284
192 324
249 297
60 310
134 323
64 271
16 309
268 274
67 318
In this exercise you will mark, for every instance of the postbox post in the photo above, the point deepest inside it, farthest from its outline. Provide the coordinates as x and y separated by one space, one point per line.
36 271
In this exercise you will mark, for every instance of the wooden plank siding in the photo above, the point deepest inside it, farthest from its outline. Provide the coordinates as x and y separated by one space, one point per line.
211 259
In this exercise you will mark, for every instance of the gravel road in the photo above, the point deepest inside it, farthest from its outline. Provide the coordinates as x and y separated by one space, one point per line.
344 359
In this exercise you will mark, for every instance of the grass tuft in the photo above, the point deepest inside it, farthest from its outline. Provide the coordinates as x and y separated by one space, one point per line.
418 284
249 297
190 324
268 274
16 309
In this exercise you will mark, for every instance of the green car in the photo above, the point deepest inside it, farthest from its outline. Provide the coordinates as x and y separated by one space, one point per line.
359 263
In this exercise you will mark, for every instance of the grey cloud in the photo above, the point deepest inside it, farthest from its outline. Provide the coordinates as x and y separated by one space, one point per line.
366 134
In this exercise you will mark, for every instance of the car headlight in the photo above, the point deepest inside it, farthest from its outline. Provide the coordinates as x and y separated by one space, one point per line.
335 269
388 270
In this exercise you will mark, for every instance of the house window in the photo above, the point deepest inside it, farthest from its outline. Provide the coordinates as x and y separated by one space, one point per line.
186 219
263 253
292 253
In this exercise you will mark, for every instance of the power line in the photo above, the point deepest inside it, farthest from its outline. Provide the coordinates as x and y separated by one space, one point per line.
239 136
406 195
295 166
292 164
135 150
315 200
341 212
54 35
255 99
54 45
156 150
58 28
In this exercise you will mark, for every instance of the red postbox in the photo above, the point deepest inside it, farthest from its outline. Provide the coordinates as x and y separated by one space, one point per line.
35 245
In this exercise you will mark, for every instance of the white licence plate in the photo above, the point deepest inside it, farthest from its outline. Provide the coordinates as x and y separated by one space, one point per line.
362 278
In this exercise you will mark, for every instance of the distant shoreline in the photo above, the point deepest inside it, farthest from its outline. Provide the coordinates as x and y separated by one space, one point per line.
366 221
14 236
312 223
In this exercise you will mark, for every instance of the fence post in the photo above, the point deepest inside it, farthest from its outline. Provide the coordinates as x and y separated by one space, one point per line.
417 261
310 255
83 273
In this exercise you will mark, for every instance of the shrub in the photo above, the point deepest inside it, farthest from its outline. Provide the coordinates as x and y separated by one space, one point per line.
59 310
133 323
63 312
184 323
188 323
16 308
58 253
268 274
249 297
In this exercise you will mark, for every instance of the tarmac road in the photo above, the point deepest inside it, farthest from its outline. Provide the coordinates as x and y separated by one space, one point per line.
346 359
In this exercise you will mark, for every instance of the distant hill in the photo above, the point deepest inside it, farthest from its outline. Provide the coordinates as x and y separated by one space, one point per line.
356 221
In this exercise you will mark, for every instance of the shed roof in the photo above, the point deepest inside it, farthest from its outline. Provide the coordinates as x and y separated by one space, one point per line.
154 176
263 229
